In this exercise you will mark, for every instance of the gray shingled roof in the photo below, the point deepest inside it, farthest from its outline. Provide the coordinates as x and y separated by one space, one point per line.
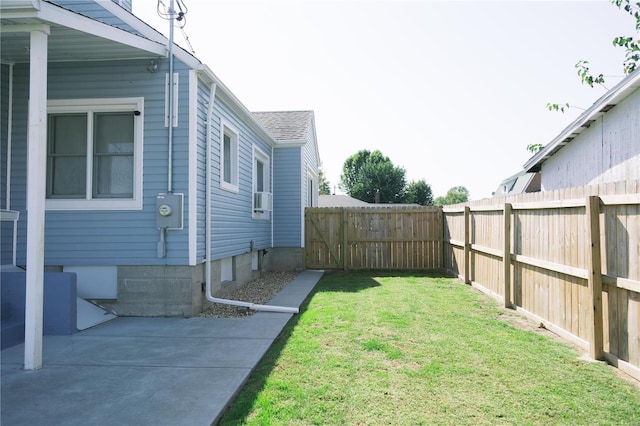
286 125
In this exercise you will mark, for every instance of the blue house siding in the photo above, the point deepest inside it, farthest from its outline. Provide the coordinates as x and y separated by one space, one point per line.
110 237
287 220
93 10
233 227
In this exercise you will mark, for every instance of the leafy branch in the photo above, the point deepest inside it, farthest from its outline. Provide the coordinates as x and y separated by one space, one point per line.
632 45
630 64
558 107
586 77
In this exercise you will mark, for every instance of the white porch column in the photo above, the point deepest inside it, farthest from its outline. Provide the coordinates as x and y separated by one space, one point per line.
36 190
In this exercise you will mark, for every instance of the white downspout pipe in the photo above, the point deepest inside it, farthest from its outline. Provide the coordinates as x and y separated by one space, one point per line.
171 101
208 219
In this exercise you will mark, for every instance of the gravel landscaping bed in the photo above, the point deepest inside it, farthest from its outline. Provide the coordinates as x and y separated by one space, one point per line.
258 291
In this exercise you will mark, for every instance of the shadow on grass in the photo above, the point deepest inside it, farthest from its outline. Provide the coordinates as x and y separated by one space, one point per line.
242 405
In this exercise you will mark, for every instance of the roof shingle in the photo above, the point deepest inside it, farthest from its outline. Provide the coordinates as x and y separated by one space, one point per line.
285 125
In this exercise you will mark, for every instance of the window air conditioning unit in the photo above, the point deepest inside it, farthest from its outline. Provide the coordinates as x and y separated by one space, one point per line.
262 201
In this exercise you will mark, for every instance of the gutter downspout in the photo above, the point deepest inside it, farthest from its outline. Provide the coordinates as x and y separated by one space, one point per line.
171 101
207 260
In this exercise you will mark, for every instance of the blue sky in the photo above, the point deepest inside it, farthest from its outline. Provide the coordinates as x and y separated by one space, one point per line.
451 91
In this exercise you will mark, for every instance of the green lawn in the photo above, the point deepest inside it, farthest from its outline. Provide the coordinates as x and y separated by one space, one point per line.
376 348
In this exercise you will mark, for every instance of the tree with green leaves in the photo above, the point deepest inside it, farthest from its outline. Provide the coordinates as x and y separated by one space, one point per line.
367 173
455 195
323 184
419 192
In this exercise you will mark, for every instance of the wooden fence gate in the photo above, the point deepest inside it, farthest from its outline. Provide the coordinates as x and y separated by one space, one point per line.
378 237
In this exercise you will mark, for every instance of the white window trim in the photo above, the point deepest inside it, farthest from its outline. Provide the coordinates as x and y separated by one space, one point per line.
234 186
105 105
259 154
313 176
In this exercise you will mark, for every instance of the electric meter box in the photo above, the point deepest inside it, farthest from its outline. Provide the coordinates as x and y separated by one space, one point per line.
169 211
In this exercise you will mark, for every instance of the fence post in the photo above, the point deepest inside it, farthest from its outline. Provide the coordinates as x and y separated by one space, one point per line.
506 259
467 245
595 320
343 252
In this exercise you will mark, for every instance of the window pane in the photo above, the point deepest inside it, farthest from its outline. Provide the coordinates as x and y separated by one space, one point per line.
67 158
259 176
67 177
68 134
113 156
114 133
114 177
226 163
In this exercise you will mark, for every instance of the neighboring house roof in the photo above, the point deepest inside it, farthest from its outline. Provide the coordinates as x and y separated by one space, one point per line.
286 125
340 201
290 128
518 184
609 100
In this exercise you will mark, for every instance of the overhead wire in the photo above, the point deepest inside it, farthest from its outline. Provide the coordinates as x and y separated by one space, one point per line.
180 17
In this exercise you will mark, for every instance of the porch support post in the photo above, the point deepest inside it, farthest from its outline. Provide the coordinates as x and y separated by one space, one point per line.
36 186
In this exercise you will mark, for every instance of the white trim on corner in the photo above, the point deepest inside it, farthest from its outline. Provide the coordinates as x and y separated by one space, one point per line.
192 224
234 186
105 105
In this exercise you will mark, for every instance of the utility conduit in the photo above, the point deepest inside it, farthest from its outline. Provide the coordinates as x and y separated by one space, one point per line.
255 307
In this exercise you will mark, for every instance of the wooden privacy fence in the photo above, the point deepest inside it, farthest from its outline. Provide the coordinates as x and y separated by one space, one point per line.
373 238
568 259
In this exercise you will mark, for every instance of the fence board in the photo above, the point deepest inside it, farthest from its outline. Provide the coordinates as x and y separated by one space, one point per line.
554 274
374 238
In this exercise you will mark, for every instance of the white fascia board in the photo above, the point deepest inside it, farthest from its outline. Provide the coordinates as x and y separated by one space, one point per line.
20 5
612 97
57 15
234 103
133 21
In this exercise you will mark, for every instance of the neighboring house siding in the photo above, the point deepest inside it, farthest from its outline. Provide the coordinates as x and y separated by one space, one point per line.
93 10
608 151
110 237
233 227
286 196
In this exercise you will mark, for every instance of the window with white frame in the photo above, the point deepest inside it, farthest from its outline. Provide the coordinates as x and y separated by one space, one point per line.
94 154
262 197
229 158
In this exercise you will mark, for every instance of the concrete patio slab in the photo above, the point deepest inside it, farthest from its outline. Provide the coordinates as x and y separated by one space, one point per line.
144 371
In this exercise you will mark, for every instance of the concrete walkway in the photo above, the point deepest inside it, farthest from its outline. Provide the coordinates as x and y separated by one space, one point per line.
144 371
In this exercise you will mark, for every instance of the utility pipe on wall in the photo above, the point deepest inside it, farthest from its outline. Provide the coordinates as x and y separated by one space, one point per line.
207 260
171 100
